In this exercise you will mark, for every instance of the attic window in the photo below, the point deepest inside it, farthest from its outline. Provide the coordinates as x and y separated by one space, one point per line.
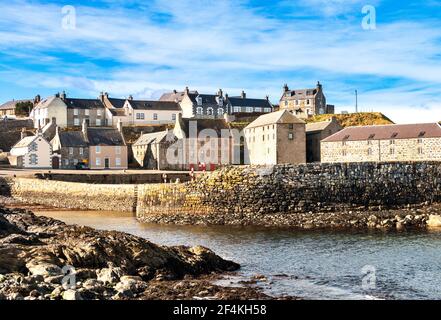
422 134
346 137
394 135
371 136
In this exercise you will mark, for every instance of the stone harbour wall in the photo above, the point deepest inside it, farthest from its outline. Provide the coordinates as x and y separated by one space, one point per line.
73 195
246 195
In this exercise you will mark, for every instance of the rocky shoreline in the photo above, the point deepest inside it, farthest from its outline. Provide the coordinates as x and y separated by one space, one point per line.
45 259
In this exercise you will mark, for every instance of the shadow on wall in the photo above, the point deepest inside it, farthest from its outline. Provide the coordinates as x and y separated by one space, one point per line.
5 188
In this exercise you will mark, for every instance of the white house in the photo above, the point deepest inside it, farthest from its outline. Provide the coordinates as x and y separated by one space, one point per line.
143 113
33 152
47 109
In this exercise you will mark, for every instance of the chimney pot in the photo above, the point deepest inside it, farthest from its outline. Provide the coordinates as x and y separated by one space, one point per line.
243 95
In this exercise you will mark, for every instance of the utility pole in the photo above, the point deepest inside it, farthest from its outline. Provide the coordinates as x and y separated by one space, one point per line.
356 101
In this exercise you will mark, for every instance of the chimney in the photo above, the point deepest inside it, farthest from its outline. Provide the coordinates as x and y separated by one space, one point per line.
23 133
243 95
63 95
187 91
119 126
267 98
175 91
286 88
54 120
37 99
220 93
319 85
84 129
106 94
101 96
130 98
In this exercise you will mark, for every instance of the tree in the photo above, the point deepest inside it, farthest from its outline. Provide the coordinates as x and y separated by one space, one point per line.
23 108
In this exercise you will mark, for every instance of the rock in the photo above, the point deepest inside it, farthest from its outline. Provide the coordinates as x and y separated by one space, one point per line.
71 295
54 279
109 275
44 269
57 292
434 221
93 285
133 284
15 296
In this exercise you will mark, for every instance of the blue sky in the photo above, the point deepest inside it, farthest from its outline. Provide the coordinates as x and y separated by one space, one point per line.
144 48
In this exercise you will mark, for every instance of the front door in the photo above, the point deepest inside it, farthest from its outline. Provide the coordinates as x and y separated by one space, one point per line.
55 163
107 163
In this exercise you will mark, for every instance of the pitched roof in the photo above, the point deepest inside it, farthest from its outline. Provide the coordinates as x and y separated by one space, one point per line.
202 124
300 94
246 102
174 96
25 142
317 126
387 132
11 104
46 102
117 103
154 105
83 103
279 117
149 138
208 100
72 139
117 112
105 136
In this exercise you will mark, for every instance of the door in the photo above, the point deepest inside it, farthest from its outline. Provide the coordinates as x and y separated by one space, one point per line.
107 163
55 163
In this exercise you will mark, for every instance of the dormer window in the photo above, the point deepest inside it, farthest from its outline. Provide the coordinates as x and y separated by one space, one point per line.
199 100
220 101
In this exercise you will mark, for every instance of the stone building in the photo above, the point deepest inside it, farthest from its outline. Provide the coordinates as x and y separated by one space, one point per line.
305 103
98 148
276 138
8 109
47 109
33 152
315 133
217 106
384 143
150 150
147 112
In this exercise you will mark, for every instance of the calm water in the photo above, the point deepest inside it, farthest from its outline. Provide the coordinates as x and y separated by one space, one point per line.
314 265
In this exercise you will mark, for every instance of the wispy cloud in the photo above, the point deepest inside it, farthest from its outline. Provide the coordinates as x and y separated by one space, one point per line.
132 47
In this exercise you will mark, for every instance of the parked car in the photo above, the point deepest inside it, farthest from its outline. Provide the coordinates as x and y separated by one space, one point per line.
81 166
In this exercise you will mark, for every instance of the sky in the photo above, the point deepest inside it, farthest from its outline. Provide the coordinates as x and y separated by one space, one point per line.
389 51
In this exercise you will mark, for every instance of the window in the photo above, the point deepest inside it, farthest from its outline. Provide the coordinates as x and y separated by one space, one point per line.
249 109
369 142
343 153
199 111
140 116
220 112
99 113
76 112
81 151
75 162
290 136
76 122
33 147
286 103
86 112
221 101
155 116
98 122
199 101
420 141
297 102
392 142
174 116
267 109
420 150
369 152
210 111
98 161
66 162
259 110
33 159
237 109
308 102
71 150
343 143
291 126
118 162
392 151
263 138
98 149
118 150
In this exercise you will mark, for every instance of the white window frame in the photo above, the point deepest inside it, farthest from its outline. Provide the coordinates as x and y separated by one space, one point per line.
118 150
87 112
118 162
76 112
98 122
97 149
76 122
249 109
220 111
81 151
98 161
155 117
174 116
99 112
71 151
237 109
199 111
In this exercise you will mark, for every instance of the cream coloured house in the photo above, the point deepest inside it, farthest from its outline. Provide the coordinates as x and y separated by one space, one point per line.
33 152
47 109
276 138
145 112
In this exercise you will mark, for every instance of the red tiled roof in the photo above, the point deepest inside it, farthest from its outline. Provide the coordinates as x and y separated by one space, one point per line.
387 132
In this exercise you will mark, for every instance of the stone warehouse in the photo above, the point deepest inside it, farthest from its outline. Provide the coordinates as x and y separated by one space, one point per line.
315 133
385 143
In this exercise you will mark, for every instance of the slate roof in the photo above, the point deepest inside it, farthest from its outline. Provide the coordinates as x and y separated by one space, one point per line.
387 132
208 100
279 117
149 138
175 96
301 93
246 102
154 105
72 139
83 103
201 124
117 103
105 137
117 112
11 104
